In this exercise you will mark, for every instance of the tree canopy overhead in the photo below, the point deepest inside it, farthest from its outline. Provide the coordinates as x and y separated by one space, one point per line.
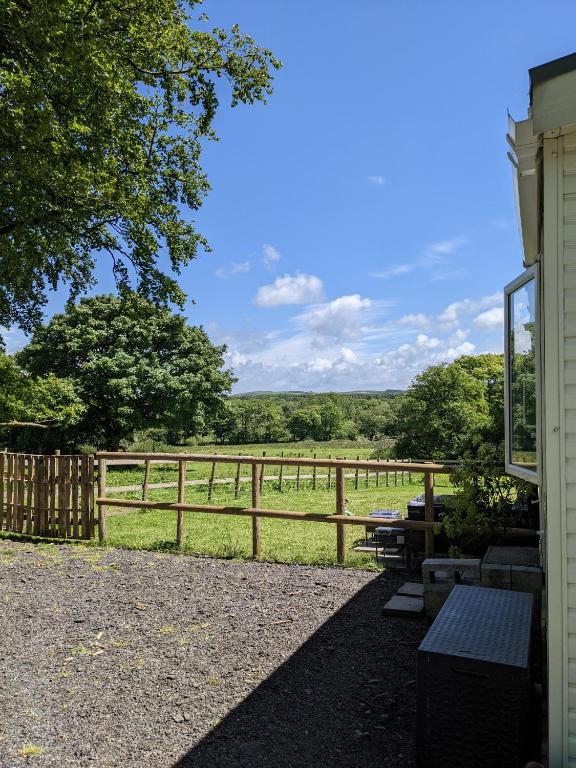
103 109
133 365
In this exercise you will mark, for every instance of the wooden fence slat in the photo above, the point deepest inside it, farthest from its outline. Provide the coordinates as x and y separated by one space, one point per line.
65 527
2 504
256 470
88 490
75 481
60 503
37 522
8 491
46 494
101 494
52 519
21 491
29 493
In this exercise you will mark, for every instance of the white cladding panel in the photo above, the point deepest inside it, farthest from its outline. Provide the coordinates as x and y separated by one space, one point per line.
564 502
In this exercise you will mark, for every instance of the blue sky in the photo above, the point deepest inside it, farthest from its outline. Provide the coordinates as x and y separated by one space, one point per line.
363 222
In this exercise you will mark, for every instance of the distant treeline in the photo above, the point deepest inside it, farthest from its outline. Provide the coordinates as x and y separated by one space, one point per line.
267 417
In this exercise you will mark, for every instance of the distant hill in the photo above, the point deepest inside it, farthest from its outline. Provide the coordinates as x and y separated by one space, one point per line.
300 393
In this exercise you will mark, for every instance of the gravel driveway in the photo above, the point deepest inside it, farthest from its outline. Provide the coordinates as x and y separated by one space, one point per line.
118 658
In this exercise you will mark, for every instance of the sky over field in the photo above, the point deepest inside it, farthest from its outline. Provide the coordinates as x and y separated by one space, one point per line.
363 221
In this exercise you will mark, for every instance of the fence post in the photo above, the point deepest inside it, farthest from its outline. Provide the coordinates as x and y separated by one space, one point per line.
356 475
237 481
298 475
340 506
329 473
146 479
314 470
367 477
262 473
181 491
211 481
280 474
429 512
256 476
101 495
409 473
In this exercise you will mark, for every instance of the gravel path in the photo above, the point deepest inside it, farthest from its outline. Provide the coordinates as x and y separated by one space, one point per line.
118 658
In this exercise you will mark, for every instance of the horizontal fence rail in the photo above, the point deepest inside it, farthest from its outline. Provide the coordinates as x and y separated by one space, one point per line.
255 511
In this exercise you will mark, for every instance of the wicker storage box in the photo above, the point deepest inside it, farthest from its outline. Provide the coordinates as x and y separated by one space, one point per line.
474 681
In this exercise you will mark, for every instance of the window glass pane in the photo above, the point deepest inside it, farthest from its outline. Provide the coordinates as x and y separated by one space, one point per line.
522 350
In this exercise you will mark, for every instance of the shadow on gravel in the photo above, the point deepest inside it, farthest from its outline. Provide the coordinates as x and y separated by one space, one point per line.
345 698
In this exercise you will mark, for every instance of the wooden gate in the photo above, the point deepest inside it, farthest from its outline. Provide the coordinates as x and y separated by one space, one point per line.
47 495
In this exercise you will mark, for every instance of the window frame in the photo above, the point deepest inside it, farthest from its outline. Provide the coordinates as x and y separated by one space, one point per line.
532 476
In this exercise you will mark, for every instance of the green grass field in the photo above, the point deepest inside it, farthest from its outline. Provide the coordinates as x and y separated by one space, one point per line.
282 540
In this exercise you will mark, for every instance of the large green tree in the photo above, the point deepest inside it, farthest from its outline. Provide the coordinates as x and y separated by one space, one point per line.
442 413
134 366
104 106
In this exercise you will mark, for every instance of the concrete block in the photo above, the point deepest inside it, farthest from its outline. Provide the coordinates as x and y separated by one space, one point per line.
527 579
433 601
496 575
400 605
445 569
513 556
411 589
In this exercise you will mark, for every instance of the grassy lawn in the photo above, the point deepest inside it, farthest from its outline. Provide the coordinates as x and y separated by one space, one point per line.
282 540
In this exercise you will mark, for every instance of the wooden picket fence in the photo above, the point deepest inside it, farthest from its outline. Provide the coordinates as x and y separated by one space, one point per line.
47 495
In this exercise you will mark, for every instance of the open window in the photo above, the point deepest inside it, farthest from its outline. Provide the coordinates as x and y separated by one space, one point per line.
522 376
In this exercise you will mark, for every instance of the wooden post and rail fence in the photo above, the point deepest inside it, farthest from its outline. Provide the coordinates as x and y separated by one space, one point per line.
54 496
256 512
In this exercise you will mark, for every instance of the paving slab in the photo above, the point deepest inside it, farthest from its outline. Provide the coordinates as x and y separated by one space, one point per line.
411 589
400 605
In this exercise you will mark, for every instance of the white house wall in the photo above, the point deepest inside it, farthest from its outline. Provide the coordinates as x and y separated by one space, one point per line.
558 273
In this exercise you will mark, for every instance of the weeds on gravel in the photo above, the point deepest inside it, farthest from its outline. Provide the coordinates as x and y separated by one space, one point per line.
30 750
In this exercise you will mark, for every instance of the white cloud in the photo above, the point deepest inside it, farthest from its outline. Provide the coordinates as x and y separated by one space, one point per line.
452 313
395 270
446 247
418 320
234 269
270 255
342 318
379 180
345 369
490 320
290 289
